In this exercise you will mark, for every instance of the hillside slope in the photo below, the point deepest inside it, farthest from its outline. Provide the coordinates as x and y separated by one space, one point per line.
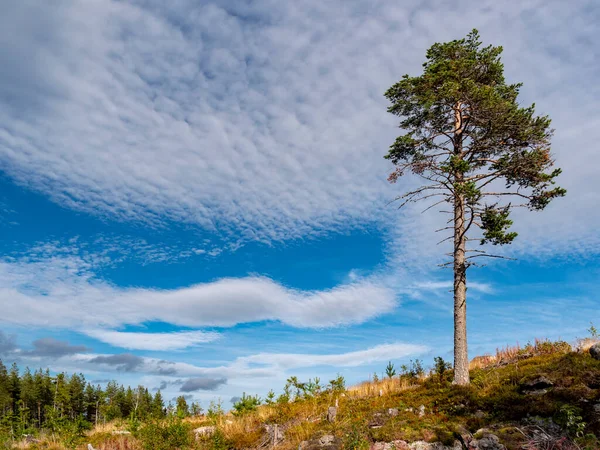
543 396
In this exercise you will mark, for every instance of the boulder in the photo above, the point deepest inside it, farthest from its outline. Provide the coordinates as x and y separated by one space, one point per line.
595 351
328 439
488 442
421 410
392 412
536 386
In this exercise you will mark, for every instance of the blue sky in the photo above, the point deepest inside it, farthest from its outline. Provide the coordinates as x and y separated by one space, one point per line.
195 197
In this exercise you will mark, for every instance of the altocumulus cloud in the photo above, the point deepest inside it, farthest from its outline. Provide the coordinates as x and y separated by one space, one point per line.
302 107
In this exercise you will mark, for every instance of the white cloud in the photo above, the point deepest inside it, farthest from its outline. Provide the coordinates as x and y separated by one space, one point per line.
153 341
267 122
63 292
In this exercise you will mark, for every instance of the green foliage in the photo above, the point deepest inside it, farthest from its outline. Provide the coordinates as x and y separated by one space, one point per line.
390 371
215 410
593 331
569 417
413 370
195 409
286 395
496 223
168 434
338 384
67 404
246 404
440 367
356 436
219 441
270 399
181 407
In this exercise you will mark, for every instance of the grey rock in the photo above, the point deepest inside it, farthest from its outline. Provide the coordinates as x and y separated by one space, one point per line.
596 413
536 386
595 351
393 412
479 414
490 442
328 439
421 410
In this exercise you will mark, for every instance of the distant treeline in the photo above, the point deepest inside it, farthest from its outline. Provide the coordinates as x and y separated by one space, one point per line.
41 400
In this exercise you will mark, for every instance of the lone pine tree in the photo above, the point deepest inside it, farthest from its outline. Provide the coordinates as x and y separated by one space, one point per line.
476 149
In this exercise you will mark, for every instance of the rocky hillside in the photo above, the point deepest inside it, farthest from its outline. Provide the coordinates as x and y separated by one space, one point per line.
543 396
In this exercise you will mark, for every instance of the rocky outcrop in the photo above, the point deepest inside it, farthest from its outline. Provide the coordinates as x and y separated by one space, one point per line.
204 431
488 442
537 386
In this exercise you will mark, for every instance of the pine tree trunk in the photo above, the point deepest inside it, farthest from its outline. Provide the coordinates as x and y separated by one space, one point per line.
461 356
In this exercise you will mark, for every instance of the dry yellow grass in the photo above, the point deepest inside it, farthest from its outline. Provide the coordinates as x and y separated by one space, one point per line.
50 441
483 361
383 387
107 427
116 442
510 354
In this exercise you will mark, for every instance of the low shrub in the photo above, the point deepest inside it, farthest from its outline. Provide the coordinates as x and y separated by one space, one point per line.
169 434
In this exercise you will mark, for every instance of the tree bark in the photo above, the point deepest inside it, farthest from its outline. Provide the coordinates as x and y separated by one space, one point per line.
461 356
